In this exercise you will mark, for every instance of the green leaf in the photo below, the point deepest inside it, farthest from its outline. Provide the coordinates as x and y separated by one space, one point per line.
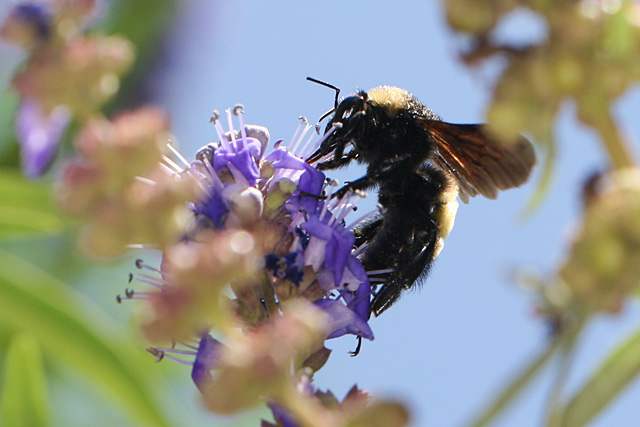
26 206
25 400
74 330
614 374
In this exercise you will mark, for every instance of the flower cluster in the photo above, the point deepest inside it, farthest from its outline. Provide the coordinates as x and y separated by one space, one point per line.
266 227
69 73
602 267
259 267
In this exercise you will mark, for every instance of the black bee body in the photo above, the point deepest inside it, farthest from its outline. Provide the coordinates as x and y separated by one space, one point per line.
417 214
420 165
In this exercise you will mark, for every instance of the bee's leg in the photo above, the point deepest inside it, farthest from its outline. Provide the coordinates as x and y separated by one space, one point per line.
338 160
360 184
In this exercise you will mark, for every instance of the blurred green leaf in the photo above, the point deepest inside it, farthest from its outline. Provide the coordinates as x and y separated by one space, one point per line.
74 330
145 23
514 388
25 401
26 206
614 374
8 143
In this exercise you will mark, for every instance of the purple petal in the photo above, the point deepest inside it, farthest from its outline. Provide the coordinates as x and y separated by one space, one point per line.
39 135
311 182
343 320
243 156
281 158
338 245
35 15
360 302
281 416
213 207
206 360
354 274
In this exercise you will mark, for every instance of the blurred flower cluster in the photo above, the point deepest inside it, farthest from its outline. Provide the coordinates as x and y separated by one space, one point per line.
258 267
69 73
590 56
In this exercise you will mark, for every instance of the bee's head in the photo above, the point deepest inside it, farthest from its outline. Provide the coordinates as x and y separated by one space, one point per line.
348 114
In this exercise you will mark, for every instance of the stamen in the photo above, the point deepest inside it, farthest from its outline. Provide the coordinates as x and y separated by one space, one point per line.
381 271
141 265
343 204
175 359
145 180
215 179
193 347
231 131
128 294
174 165
357 251
238 110
237 175
178 155
161 353
294 147
150 282
333 128
303 122
348 208
329 187
142 246
303 150
224 142
176 351
157 353
167 169
362 218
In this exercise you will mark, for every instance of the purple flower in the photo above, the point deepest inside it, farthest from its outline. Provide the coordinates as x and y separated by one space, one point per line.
343 320
213 208
207 359
360 301
39 134
310 180
243 155
333 243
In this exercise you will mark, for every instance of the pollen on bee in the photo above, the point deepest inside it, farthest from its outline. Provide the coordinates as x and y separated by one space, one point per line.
393 98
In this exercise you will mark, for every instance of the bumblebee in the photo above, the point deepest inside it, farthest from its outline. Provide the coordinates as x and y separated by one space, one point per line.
419 165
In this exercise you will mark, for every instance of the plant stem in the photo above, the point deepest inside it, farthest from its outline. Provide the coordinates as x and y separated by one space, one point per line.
613 142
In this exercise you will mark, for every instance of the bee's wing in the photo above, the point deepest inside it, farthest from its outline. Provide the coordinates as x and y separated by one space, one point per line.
479 162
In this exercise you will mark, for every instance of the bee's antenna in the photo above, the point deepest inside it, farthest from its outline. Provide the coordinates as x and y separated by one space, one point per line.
330 86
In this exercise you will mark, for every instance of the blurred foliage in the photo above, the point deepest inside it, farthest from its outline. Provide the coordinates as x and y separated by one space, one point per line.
24 397
590 57
41 312
26 207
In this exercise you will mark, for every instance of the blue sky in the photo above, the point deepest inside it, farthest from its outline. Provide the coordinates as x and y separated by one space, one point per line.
447 347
